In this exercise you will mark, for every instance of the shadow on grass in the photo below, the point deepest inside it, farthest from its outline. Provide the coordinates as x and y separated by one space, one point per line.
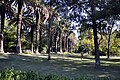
62 66
87 57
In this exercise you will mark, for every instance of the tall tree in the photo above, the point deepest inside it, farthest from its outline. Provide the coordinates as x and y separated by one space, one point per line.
37 28
5 9
19 22
2 25
41 15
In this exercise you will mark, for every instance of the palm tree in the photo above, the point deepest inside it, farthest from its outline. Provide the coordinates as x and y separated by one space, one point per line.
19 25
2 25
37 27
24 19
53 15
44 14
5 8
56 37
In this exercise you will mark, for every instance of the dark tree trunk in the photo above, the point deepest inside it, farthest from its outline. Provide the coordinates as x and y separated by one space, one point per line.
37 29
96 46
70 46
2 27
55 45
61 42
32 36
64 42
109 35
67 43
40 47
49 43
19 17
108 50
55 39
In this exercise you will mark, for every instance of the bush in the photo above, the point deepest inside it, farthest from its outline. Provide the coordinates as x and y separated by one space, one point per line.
22 75
19 75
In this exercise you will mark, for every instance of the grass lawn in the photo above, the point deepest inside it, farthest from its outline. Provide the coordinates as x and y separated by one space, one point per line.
66 65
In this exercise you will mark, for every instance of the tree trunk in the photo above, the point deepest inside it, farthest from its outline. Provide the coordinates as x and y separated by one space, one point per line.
96 46
2 27
19 17
64 42
70 46
49 43
67 43
61 42
55 39
37 29
40 47
109 35
108 50
32 36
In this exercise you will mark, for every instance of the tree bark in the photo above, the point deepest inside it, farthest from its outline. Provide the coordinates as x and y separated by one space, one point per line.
19 17
37 29
40 47
64 42
61 42
109 35
96 46
67 43
2 27
55 39
32 36
108 50
49 43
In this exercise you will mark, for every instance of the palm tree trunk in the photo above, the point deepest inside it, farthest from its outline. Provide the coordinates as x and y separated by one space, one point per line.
61 42
19 17
67 43
40 47
64 42
49 43
70 50
2 27
37 29
55 39
32 35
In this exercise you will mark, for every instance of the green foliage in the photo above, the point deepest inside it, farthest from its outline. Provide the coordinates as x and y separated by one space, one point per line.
115 47
86 42
22 75
19 75
10 37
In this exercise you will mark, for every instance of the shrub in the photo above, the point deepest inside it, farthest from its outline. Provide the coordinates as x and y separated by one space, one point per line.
19 75
22 75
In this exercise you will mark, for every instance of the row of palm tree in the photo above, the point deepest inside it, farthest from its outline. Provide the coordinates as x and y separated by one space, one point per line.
35 16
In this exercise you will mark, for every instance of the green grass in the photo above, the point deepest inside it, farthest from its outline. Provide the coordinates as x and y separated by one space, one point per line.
71 66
